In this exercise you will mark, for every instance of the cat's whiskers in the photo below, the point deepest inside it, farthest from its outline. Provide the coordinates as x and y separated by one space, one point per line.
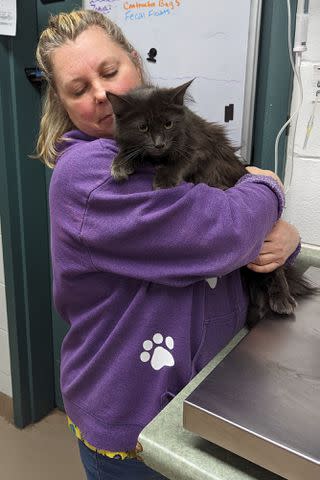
177 148
130 154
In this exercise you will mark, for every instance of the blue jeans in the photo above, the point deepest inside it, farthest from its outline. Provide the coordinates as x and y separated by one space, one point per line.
99 467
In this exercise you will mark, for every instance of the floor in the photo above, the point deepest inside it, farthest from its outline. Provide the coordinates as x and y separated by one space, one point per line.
44 451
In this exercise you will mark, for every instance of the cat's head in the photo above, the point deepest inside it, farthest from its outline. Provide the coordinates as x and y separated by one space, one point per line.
150 119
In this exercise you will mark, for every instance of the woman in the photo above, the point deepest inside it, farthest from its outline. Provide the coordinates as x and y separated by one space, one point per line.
148 280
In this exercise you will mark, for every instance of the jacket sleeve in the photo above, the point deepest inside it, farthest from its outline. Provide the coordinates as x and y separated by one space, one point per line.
180 235
294 255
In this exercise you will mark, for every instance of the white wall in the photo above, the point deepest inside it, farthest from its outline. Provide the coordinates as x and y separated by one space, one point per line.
5 369
303 197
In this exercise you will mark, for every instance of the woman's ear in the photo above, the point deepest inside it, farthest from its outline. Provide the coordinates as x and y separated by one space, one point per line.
136 59
138 63
135 55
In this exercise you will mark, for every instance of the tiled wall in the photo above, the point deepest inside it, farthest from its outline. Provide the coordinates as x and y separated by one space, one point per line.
5 369
303 197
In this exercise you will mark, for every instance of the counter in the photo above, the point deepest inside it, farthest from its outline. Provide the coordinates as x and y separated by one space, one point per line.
180 455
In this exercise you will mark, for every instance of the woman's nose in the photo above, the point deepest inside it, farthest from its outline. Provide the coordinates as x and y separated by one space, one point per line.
100 94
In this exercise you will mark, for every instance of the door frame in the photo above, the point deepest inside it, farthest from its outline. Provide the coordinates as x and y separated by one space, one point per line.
23 208
24 226
274 76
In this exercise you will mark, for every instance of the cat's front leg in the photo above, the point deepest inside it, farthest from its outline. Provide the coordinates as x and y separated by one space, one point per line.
280 299
121 168
166 178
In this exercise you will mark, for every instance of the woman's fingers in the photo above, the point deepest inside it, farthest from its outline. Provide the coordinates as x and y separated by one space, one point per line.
269 173
277 247
270 267
264 259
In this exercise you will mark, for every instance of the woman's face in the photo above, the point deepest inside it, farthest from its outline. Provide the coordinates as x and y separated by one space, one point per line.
84 69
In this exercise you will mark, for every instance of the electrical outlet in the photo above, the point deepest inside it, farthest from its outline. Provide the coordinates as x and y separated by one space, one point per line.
316 80
310 75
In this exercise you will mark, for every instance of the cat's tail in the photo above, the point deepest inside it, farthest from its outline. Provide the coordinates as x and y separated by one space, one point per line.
299 285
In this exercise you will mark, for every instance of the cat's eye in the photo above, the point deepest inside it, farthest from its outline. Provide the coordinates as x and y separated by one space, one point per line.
168 124
143 127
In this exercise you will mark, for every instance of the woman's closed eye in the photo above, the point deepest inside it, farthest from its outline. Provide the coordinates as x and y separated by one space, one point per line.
82 89
109 74
78 93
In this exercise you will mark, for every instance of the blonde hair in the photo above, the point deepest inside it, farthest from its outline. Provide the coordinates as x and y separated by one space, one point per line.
55 121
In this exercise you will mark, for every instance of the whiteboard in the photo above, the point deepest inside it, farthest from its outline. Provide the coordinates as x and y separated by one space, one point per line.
213 41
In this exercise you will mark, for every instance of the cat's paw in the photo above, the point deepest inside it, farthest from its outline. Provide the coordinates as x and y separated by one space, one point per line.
120 173
282 305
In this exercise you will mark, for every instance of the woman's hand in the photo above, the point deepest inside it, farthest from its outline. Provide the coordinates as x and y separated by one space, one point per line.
277 247
269 173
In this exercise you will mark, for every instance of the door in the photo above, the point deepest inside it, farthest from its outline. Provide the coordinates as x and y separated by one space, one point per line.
24 225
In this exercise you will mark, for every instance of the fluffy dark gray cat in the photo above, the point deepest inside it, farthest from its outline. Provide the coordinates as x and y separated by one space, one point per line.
153 125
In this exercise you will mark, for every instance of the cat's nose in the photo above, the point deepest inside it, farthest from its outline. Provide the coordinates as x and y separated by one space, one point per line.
159 143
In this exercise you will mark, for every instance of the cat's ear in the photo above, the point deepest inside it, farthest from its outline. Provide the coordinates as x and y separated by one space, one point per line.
179 92
119 103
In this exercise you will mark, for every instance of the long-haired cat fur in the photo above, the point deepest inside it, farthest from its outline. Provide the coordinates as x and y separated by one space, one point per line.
153 125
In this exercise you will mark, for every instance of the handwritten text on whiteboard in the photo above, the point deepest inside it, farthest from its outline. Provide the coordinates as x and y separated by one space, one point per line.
143 10
135 10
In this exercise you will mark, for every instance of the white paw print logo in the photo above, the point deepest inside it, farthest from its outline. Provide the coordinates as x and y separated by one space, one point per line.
160 357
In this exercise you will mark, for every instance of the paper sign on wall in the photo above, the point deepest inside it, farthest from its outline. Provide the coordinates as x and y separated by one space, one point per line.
8 17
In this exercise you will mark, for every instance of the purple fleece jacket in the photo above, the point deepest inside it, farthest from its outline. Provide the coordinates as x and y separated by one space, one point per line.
130 275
